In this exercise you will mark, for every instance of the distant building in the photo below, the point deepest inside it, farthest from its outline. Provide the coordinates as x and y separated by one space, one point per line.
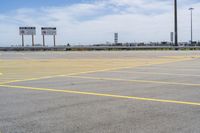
116 38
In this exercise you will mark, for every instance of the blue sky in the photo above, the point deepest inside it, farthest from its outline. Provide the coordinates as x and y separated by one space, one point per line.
14 4
95 21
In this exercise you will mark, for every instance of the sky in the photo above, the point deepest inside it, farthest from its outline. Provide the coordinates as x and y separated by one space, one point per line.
96 21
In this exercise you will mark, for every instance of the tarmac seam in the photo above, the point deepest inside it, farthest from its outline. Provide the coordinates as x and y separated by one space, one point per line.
103 95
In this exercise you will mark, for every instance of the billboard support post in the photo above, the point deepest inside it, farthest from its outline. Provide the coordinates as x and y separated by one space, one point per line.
43 40
33 40
54 40
22 40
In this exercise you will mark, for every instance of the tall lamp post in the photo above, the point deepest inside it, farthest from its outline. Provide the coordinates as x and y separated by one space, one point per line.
191 10
175 24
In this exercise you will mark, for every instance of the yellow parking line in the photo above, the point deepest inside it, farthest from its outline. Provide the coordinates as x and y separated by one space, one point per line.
139 81
167 68
103 95
55 76
177 57
65 75
31 79
158 73
87 72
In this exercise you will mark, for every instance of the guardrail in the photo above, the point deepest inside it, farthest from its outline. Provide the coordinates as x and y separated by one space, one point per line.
87 48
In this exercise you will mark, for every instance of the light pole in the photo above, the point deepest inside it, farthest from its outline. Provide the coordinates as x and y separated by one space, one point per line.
191 10
175 24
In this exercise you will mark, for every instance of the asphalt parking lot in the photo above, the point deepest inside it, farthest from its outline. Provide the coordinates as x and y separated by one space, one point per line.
100 92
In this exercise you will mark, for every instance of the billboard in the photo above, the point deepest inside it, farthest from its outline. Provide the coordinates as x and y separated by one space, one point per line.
48 31
27 30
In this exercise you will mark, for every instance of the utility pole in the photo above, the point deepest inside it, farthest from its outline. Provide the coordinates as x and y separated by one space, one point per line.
191 9
175 24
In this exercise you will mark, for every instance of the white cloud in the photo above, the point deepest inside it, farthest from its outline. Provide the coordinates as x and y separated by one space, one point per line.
95 22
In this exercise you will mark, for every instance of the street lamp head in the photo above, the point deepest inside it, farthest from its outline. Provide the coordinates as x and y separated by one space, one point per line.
191 8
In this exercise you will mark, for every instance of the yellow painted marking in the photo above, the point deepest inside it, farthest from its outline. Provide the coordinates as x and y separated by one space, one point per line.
177 57
139 81
125 66
1 73
31 79
167 68
55 76
103 95
86 72
157 73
